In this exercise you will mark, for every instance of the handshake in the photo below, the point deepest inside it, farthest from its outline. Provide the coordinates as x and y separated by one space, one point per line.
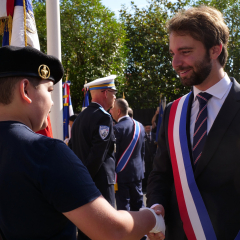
160 224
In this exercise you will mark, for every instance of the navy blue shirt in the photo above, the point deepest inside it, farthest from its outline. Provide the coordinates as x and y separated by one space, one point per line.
40 178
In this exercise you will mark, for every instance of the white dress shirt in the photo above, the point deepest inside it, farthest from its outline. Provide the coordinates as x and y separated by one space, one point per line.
122 117
219 92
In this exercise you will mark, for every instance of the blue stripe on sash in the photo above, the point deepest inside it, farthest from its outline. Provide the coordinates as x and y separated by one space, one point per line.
127 154
238 236
202 211
19 3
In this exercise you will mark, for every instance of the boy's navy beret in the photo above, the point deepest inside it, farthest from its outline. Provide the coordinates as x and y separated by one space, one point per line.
28 61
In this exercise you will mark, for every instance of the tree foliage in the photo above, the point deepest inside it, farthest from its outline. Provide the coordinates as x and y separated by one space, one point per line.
149 72
135 47
92 42
230 10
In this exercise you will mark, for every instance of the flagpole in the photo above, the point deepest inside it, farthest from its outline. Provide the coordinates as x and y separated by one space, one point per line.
54 48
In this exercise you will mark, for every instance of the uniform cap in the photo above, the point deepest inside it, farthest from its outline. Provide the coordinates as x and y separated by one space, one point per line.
102 83
29 62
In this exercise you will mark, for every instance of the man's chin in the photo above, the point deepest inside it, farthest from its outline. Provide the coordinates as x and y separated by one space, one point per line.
186 82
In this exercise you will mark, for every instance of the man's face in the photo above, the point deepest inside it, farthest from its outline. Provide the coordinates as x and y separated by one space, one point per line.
41 104
114 112
147 129
190 59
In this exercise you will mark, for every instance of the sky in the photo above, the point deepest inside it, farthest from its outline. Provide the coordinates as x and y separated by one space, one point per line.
115 5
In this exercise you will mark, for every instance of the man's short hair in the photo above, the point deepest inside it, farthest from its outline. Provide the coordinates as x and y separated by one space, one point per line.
7 86
130 112
205 24
122 105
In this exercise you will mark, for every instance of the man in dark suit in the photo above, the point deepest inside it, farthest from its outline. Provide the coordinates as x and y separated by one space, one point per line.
129 157
150 151
93 138
195 182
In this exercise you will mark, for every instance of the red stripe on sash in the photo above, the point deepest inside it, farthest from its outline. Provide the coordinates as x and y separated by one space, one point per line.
187 226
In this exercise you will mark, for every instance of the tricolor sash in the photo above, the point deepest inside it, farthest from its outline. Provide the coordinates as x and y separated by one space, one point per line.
196 221
122 162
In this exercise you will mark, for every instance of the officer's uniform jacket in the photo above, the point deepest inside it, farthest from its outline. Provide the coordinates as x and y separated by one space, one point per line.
93 142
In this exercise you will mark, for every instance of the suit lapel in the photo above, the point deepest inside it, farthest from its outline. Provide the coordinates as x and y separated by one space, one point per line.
224 118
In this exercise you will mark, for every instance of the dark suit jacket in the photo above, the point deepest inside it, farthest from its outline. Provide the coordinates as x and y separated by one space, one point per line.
123 131
150 151
217 173
97 154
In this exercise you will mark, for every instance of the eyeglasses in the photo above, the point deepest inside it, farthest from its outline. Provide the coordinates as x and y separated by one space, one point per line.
112 91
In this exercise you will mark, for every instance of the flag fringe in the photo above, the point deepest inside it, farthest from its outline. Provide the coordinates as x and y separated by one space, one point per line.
2 25
6 25
10 22
25 24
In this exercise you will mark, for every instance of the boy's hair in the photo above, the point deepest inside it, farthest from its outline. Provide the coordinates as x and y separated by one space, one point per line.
205 24
8 84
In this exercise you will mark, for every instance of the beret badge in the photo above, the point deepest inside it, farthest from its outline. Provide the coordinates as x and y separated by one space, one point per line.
44 71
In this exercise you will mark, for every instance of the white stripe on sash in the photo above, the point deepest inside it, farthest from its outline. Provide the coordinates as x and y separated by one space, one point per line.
191 208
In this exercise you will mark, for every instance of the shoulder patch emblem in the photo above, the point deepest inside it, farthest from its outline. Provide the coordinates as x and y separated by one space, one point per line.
103 131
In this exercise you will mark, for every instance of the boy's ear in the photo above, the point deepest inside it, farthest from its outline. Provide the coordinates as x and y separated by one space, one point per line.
24 90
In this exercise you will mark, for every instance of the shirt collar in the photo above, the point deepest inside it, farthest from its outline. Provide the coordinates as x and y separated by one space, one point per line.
122 117
218 90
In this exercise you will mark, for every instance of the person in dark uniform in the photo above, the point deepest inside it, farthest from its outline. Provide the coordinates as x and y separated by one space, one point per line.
150 151
45 189
93 138
129 156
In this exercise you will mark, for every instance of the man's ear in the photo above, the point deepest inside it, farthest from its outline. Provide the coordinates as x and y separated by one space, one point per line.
215 51
24 90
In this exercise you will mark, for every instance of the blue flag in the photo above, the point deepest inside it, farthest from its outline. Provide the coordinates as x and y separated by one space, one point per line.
160 115
86 99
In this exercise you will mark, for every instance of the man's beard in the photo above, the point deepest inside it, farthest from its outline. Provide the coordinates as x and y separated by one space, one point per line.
203 69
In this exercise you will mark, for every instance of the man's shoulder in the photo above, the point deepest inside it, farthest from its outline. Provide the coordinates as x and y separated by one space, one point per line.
97 110
124 123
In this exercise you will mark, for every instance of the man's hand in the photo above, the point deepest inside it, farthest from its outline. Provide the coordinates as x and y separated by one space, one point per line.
159 209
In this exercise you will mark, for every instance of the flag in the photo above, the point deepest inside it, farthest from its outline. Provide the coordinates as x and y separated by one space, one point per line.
86 98
22 32
67 109
160 115
6 16
48 130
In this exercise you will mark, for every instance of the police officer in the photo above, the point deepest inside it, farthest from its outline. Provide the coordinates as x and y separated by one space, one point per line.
93 138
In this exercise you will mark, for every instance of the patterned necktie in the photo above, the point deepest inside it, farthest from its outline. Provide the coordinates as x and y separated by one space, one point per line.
200 129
